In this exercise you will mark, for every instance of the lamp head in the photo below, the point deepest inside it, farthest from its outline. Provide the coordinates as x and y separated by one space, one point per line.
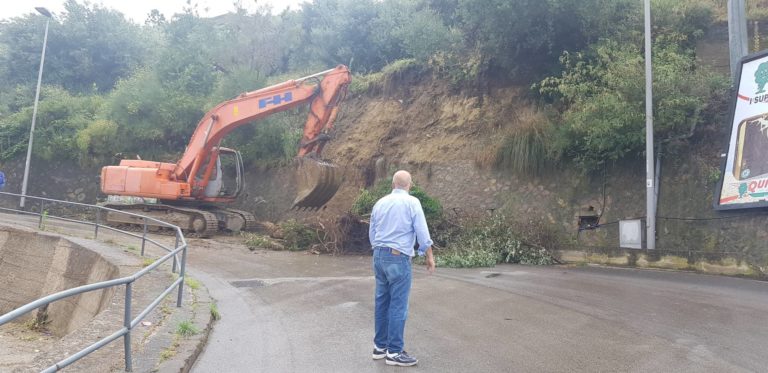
43 11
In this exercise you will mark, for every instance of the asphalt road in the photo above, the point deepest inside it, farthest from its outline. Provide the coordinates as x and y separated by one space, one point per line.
297 312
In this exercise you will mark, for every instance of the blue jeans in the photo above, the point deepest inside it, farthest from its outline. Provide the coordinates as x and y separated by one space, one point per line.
393 286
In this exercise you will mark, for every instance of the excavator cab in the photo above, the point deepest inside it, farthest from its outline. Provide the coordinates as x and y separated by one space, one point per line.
223 183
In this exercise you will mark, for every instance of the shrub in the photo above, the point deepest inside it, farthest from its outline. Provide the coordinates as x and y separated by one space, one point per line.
186 329
363 205
525 147
364 202
98 139
365 83
192 283
603 93
298 236
256 241
433 209
215 314
488 242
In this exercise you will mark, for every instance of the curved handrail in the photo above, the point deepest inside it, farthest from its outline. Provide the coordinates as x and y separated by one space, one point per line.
128 322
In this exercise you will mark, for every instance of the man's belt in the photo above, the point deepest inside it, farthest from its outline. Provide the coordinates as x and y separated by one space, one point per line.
393 251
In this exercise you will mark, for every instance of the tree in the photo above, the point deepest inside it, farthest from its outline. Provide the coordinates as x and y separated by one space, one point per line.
338 32
89 48
60 117
603 94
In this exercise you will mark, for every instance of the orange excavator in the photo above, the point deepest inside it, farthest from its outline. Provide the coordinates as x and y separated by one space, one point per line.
189 193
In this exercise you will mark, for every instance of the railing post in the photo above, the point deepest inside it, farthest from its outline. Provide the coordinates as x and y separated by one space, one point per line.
175 246
42 208
98 221
127 324
144 237
181 274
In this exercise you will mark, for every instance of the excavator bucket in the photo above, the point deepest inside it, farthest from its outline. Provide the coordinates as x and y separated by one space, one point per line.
318 182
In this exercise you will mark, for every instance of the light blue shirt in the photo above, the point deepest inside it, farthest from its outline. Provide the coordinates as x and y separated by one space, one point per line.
397 222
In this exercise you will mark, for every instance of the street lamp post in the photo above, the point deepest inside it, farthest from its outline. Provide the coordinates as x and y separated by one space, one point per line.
737 34
650 198
48 16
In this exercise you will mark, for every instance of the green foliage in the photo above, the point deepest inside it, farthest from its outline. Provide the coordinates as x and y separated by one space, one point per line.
433 209
604 93
399 66
186 66
15 98
215 314
151 116
527 147
273 140
365 83
60 117
713 175
524 37
89 48
291 137
97 139
363 205
43 219
255 241
339 31
422 34
364 202
192 283
187 329
230 85
298 236
488 242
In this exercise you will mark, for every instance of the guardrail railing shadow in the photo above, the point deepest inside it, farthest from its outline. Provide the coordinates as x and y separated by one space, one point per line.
91 215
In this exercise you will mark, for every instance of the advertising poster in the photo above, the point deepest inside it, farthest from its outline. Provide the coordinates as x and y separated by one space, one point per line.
744 182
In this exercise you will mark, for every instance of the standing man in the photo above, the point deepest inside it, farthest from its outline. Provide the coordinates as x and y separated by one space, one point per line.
397 222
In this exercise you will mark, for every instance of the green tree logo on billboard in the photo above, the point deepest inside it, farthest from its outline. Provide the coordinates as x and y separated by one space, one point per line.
761 76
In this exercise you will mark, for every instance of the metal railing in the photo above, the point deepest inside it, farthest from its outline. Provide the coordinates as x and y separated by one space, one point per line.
180 247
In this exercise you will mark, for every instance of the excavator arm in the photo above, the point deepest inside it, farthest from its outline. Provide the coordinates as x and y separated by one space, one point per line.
248 107
187 179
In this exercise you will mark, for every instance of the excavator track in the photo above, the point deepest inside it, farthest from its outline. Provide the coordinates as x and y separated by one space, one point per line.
250 219
200 222
231 219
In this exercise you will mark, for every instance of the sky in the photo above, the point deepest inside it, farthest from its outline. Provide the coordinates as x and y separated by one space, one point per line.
137 10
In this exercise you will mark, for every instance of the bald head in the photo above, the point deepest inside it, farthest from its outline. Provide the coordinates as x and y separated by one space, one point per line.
401 180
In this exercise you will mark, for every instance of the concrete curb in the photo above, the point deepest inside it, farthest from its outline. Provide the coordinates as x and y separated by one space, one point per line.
189 349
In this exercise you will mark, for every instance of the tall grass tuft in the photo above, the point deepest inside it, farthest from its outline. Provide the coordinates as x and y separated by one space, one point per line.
525 145
381 80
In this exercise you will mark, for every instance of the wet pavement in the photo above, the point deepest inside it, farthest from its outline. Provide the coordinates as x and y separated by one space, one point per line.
298 312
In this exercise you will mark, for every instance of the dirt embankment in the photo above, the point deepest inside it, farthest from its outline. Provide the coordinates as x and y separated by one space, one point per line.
415 123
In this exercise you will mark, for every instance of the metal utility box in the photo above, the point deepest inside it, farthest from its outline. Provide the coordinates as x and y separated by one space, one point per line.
631 234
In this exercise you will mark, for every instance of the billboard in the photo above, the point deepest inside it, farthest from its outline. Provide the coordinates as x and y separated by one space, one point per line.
744 180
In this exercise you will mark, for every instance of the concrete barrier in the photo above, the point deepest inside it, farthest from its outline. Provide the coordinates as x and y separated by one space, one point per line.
33 265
